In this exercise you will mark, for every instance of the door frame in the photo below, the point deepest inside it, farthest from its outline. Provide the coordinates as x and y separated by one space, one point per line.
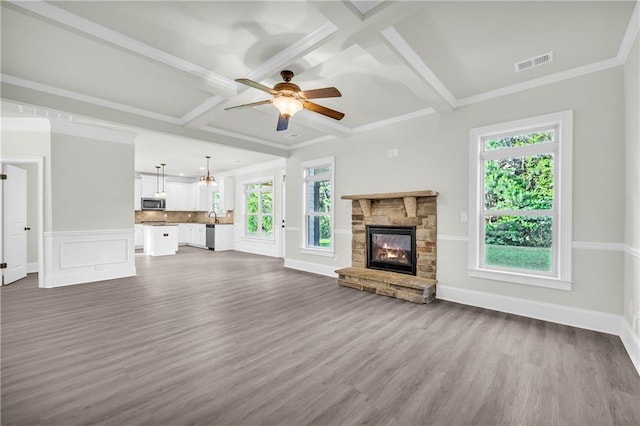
39 160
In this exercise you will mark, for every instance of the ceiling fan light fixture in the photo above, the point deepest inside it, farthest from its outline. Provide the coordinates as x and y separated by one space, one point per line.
287 105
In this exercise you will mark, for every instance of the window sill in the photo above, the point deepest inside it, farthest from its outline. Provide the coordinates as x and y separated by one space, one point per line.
317 251
526 279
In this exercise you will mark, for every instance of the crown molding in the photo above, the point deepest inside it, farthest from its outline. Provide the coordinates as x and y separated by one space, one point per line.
25 125
542 81
93 29
92 132
28 84
313 142
278 163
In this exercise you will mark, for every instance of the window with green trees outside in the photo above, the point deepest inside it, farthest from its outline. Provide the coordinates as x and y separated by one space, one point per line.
259 209
318 188
520 201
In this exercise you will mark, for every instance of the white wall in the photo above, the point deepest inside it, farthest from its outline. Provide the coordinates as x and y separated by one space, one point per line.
93 183
632 190
433 154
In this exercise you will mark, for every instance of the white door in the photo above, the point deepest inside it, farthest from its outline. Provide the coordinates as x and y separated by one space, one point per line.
15 224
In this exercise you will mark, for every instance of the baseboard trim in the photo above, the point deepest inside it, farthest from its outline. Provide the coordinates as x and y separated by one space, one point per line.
32 267
567 315
631 343
314 268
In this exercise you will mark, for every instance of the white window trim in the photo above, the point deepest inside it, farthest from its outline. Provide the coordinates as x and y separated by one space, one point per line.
304 248
562 199
244 234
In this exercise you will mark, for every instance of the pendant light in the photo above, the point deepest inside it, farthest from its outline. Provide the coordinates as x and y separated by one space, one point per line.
208 180
162 194
157 194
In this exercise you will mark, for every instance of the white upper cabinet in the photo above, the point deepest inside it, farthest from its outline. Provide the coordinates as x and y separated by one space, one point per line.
148 186
137 193
227 192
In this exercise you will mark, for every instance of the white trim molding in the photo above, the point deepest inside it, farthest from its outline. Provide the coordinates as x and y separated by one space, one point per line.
77 257
631 343
560 314
25 125
311 267
632 251
92 132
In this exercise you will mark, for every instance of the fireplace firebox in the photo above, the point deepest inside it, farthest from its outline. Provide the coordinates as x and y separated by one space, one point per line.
392 248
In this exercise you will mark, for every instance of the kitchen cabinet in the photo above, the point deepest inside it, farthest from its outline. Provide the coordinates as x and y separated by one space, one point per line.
183 233
138 236
197 235
137 193
224 237
160 240
147 186
177 196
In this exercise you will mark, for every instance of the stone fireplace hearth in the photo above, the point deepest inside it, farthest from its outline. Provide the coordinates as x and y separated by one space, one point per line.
397 214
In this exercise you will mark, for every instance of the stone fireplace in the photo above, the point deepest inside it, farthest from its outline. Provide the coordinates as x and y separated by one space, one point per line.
393 245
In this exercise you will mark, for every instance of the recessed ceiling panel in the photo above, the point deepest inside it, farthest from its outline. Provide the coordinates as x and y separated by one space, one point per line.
227 37
370 92
472 46
39 51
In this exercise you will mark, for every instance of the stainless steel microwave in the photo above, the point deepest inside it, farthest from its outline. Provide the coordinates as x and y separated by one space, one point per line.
153 203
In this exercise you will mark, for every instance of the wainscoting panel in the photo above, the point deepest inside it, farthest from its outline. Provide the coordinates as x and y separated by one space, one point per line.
78 257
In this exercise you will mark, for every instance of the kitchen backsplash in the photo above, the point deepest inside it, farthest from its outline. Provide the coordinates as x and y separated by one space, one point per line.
180 217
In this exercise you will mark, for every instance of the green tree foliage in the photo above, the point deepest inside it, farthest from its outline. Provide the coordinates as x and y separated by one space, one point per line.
519 183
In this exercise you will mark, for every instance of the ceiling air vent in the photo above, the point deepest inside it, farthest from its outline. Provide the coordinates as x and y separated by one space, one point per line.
533 62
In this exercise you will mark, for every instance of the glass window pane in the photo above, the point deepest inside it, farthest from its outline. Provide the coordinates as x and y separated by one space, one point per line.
519 183
267 202
252 224
252 202
319 231
267 186
519 140
253 186
320 170
319 196
267 225
521 242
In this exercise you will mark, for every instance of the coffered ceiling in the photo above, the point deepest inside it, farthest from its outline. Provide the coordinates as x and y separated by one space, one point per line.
169 67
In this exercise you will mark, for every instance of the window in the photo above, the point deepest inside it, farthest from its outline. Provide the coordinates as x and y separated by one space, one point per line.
258 197
318 205
216 202
520 201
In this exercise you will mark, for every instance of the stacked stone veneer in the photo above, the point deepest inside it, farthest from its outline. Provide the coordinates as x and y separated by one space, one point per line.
417 209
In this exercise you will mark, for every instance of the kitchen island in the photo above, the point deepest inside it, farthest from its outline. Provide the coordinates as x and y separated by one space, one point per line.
160 239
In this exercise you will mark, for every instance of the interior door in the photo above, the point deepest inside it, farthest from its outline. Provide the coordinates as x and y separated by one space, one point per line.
15 224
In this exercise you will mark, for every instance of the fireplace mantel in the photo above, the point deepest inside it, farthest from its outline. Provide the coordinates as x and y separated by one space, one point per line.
409 199
410 209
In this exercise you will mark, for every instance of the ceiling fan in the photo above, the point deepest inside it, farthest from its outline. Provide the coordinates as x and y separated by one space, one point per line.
289 99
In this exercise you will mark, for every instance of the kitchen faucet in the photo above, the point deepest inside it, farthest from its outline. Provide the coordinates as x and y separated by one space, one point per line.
215 216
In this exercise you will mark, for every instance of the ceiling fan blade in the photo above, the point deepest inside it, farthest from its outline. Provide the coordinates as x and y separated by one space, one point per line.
283 122
256 85
268 101
336 115
326 92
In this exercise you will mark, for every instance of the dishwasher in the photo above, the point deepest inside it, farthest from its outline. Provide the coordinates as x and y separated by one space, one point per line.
211 236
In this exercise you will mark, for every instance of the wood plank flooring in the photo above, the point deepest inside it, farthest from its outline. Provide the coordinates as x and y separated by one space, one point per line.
217 338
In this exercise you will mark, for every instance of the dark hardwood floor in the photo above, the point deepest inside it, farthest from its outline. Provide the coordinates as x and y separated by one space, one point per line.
231 338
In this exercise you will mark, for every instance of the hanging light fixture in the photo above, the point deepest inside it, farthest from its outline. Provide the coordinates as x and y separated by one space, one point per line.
162 194
208 180
157 194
